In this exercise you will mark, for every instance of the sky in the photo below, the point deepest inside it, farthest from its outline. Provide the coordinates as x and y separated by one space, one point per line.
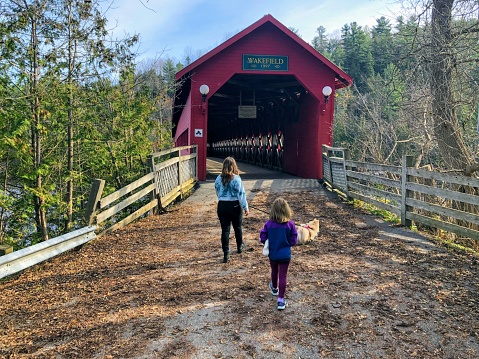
176 28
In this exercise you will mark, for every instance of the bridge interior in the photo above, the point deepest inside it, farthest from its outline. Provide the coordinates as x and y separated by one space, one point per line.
247 171
256 140
277 98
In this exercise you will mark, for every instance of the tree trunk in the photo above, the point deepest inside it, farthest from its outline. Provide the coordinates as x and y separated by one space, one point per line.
40 216
71 63
446 127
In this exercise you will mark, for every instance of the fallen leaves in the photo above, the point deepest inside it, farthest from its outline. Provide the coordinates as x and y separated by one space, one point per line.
157 288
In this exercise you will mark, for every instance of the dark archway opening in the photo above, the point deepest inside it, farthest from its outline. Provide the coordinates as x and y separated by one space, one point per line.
260 138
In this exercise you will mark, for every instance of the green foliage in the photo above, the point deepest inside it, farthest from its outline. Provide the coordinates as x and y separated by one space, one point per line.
69 113
386 215
358 60
387 113
320 42
382 45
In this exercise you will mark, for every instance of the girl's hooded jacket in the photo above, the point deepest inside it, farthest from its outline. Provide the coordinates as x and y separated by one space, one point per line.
281 236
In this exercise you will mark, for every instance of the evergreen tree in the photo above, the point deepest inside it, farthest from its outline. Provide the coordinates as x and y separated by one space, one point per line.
320 41
358 60
53 50
168 76
382 42
335 50
406 43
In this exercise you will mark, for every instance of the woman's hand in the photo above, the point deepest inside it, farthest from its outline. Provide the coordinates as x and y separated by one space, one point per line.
246 213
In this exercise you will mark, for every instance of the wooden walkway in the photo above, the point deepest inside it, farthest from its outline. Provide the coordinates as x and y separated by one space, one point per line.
255 174
254 178
247 171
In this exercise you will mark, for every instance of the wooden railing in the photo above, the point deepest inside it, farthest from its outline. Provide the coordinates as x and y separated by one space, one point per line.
258 149
172 173
438 200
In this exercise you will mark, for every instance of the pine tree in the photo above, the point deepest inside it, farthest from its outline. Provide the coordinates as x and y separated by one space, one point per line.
358 60
320 42
382 42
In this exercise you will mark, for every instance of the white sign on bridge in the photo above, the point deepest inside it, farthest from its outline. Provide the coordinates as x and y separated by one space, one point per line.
246 111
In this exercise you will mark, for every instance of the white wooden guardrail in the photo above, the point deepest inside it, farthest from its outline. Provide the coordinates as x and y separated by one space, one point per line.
19 260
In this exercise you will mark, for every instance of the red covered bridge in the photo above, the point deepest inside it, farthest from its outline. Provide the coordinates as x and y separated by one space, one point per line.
264 96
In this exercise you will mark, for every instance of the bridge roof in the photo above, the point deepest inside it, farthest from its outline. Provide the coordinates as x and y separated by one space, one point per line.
342 79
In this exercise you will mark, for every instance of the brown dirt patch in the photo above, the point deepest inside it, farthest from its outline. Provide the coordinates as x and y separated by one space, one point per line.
158 289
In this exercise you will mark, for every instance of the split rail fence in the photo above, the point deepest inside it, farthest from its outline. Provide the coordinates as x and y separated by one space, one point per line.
171 174
437 200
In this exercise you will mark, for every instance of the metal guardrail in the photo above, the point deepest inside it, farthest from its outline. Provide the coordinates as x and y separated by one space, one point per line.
172 174
19 260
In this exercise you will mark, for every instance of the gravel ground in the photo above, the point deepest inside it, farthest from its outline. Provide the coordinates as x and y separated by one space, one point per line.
158 289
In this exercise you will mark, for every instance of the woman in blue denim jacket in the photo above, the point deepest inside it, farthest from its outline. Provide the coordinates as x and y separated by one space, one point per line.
231 204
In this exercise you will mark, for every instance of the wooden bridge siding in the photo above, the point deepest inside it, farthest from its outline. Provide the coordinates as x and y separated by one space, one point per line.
309 139
183 126
303 65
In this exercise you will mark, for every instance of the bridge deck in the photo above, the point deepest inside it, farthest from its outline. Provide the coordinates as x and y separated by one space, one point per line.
247 171
254 178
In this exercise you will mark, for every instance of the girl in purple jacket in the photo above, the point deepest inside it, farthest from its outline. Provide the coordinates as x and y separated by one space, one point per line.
281 233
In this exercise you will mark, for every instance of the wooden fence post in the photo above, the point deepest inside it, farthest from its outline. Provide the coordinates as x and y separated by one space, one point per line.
195 150
156 192
5 249
179 174
346 157
407 161
96 192
330 166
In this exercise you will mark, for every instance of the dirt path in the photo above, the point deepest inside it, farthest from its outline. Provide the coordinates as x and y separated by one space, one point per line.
158 289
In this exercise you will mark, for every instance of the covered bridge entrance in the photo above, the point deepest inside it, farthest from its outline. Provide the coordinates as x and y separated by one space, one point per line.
264 96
